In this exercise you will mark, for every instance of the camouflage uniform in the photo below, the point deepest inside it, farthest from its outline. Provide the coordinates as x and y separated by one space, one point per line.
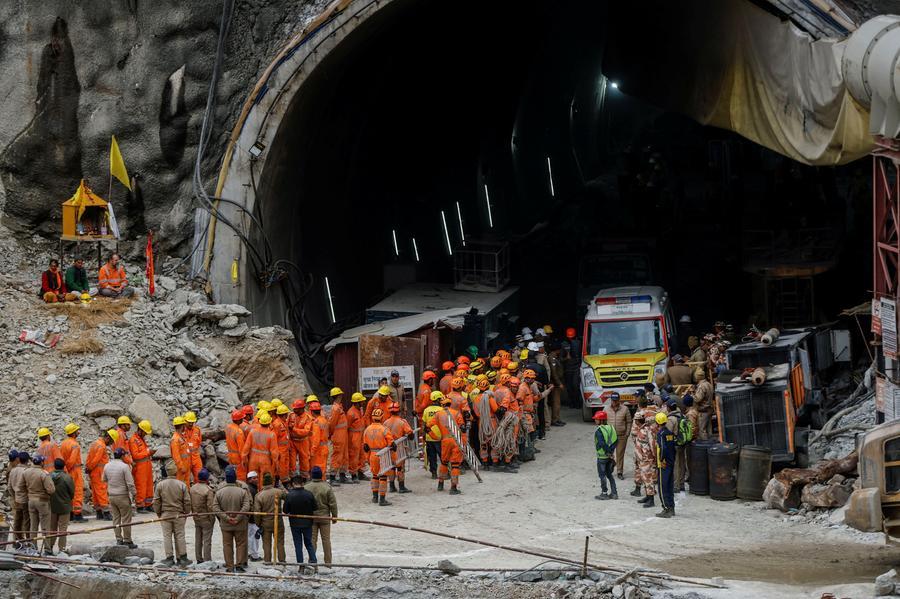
703 398
645 450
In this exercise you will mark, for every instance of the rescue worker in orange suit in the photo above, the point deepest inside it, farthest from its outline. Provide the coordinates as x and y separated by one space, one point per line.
399 428
234 440
423 397
377 437
142 468
356 426
339 434
97 459
47 448
485 407
300 424
123 425
505 394
285 456
381 400
318 445
451 453
444 385
180 451
247 421
194 438
261 447
70 450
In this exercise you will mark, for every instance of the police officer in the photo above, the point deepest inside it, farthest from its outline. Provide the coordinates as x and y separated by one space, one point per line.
665 461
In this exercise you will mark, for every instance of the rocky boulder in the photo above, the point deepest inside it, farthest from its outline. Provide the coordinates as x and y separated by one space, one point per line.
145 407
95 410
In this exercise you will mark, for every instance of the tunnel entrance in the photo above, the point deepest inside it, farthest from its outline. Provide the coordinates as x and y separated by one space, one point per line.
499 115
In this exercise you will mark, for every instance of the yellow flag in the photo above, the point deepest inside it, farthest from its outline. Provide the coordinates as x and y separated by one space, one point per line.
117 165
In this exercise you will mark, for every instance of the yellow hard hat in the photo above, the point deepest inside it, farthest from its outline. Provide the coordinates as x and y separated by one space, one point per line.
384 390
263 405
357 397
113 434
275 403
661 418
190 417
476 365
85 297
265 418
260 413
548 329
71 428
335 391
436 396
512 366
124 420
177 421
43 432
523 355
144 425
283 409
310 398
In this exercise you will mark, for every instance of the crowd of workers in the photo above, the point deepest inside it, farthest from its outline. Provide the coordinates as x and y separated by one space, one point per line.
73 285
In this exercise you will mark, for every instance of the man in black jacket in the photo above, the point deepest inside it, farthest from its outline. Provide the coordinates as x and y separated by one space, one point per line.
299 501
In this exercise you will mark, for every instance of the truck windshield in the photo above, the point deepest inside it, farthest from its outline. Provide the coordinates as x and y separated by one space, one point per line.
624 337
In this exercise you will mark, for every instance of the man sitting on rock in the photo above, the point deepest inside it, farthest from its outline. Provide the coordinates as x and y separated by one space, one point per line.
53 287
77 279
113 281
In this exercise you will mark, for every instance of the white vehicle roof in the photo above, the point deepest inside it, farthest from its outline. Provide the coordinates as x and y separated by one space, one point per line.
658 299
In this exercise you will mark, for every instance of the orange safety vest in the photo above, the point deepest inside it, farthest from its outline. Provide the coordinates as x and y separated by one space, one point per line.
180 452
319 433
377 436
234 439
111 278
355 420
139 451
70 451
423 398
98 456
50 451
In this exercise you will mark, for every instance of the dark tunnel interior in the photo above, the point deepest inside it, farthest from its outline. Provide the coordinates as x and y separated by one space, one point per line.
427 107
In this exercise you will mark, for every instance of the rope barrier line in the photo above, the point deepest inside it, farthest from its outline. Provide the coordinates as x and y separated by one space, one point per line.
592 566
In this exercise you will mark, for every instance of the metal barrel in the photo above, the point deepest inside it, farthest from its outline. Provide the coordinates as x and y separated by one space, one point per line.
698 467
754 472
723 463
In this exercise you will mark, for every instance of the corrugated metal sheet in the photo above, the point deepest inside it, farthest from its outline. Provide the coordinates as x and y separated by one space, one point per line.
451 318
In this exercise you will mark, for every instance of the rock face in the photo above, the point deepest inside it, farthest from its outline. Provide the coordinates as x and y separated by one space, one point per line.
136 70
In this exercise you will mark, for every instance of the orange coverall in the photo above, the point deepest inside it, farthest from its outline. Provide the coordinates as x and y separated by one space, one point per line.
398 428
377 402
194 437
451 455
50 451
318 444
485 406
300 429
337 430
178 446
356 426
142 471
285 451
377 436
423 398
123 443
97 458
234 439
71 453
527 400
260 451
506 399
444 383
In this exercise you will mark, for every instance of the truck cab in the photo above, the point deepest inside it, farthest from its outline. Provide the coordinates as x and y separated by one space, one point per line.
627 335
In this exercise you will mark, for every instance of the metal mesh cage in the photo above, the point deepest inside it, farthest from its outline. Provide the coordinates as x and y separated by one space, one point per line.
481 266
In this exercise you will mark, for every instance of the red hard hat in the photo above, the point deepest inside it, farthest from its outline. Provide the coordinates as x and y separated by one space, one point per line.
428 375
570 333
514 381
298 403
599 415
237 415
463 360
314 405
248 411
448 365
463 367
394 407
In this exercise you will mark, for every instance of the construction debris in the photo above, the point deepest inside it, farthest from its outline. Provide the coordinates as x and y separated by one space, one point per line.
786 489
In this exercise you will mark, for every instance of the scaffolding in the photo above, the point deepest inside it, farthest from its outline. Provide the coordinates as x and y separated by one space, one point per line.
481 266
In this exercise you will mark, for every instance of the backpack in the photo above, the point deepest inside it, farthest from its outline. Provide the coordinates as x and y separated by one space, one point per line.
684 432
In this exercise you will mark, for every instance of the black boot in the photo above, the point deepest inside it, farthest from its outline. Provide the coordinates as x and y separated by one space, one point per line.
384 501
434 476
440 485
362 476
650 503
455 491
392 487
354 480
374 496
403 488
667 512
343 478
645 499
637 491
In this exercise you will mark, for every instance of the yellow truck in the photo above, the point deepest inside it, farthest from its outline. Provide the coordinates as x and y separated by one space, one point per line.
628 333
875 506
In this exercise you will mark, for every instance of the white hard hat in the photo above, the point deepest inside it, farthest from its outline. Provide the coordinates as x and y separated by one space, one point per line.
540 333
252 474
533 346
540 344
527 337
685 319
526 331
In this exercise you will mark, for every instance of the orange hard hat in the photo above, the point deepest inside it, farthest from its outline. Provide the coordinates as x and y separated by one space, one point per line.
462 368
483 383
504 378
448 365
463 360
496 361
513 381
248 411
504 363
458 383
428 375
237 415
570 333
503 354
314 405
394 407
529 374
377 415
503 371
298 403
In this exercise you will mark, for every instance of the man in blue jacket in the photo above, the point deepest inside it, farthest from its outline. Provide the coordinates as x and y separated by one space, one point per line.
665 461
605 440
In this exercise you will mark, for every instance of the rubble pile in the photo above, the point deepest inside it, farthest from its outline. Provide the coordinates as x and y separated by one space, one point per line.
160 356
838 437
802 491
